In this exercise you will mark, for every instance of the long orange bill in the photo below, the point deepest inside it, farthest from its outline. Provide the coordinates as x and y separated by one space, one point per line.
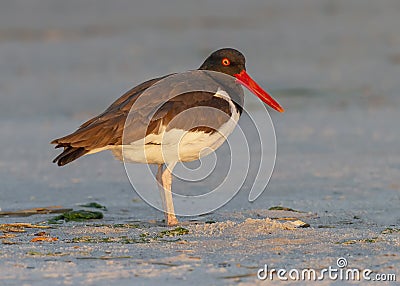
248 82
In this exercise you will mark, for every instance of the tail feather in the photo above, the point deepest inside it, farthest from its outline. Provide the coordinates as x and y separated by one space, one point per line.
69 154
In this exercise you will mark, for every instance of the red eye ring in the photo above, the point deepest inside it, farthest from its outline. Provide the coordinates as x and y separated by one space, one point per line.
225 62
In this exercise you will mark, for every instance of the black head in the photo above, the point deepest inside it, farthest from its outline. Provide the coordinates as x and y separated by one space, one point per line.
232 62
227 60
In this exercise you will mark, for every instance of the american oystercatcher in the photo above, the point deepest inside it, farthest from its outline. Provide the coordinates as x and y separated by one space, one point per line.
154 131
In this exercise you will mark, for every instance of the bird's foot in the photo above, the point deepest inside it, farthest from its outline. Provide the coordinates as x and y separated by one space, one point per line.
170 219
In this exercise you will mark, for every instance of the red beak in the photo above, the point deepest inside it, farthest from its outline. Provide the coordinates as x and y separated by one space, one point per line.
248 82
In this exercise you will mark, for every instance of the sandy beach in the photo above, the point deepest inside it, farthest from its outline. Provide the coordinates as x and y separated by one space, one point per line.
333 65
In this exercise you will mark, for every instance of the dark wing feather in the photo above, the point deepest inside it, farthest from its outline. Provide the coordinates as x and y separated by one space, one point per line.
100 130
180 93
69 154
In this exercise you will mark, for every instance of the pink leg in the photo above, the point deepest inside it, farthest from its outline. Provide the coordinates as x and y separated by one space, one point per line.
164 179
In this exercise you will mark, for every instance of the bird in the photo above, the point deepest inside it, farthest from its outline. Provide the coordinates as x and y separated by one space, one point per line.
163 124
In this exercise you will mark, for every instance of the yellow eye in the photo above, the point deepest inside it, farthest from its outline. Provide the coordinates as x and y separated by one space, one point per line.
225 62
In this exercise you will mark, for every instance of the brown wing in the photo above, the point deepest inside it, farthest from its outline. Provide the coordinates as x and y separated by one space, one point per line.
102 130
169 100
